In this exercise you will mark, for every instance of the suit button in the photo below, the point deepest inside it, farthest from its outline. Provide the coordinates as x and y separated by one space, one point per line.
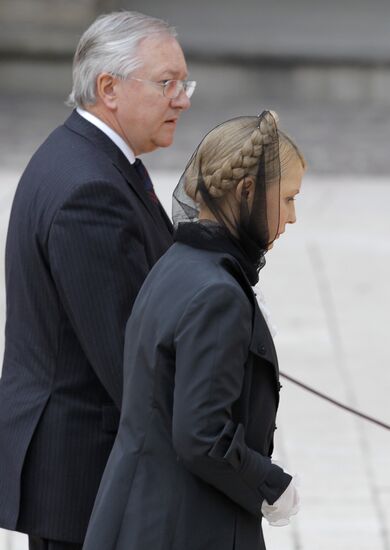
275 428
261 350
280 386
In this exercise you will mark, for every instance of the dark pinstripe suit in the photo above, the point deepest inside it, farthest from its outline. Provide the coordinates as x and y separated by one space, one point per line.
82 236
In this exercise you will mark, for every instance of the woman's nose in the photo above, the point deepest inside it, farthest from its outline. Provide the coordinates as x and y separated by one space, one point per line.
292 215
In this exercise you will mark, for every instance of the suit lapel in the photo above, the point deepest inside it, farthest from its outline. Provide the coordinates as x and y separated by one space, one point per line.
166 219
155 210
78 124
131 176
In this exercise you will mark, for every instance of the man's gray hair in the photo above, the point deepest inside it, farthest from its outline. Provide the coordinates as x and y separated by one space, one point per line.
110 45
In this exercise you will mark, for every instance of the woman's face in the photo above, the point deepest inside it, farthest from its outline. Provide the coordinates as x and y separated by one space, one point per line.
290 186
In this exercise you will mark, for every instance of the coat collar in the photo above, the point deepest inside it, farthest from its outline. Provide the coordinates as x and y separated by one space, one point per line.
101 141
261 343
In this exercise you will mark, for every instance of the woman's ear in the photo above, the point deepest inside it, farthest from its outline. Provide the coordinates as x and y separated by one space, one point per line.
106 90
246 188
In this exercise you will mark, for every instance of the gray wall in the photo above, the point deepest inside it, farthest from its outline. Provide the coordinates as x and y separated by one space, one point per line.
43 27
323 66
334 30
353 31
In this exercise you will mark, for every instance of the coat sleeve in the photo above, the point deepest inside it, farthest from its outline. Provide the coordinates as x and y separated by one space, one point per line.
212 346
98 265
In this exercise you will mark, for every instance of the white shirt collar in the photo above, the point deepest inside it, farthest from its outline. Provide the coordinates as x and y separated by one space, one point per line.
116 138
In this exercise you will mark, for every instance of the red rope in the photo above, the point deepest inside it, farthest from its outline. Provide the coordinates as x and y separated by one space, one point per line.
337 403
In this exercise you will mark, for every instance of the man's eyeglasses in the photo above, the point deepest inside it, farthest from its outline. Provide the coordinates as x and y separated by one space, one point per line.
171 88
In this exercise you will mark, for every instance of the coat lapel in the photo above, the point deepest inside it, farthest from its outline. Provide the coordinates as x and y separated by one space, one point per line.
262 343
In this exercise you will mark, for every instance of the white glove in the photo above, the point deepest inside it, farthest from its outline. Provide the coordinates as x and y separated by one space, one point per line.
279 513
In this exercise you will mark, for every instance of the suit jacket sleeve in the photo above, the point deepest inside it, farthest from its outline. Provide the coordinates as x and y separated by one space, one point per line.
212 346
98 265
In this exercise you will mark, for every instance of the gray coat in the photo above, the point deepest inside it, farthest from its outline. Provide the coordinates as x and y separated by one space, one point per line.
190 466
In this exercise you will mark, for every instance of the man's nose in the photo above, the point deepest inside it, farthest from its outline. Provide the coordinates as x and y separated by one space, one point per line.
181 101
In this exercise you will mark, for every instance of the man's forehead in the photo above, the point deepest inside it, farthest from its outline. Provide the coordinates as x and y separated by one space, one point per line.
162 53
157 45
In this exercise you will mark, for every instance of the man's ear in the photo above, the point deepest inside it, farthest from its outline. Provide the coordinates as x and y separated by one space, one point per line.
106 90
246 188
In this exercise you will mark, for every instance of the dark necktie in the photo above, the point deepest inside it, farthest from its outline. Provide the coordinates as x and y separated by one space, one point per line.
146 181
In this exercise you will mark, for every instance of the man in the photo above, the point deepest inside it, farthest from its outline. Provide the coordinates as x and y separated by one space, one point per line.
85 229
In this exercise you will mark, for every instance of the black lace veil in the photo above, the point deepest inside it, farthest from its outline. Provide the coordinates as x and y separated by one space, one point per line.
231 185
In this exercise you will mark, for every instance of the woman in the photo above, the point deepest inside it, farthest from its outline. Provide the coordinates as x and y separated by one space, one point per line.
191 467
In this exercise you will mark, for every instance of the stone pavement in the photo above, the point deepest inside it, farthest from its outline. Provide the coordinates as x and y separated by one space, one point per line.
327 285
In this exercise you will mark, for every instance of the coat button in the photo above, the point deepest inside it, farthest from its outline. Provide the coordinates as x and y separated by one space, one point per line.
280 386
261 350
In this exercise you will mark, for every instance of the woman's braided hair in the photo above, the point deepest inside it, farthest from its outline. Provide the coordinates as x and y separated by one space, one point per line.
238 160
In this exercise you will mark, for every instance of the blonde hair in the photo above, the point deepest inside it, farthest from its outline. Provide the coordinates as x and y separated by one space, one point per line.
228 154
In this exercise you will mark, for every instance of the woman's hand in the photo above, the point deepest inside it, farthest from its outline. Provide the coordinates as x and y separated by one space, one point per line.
279 513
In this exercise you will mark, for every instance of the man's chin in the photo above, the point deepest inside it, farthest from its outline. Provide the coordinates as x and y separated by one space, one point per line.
165 141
